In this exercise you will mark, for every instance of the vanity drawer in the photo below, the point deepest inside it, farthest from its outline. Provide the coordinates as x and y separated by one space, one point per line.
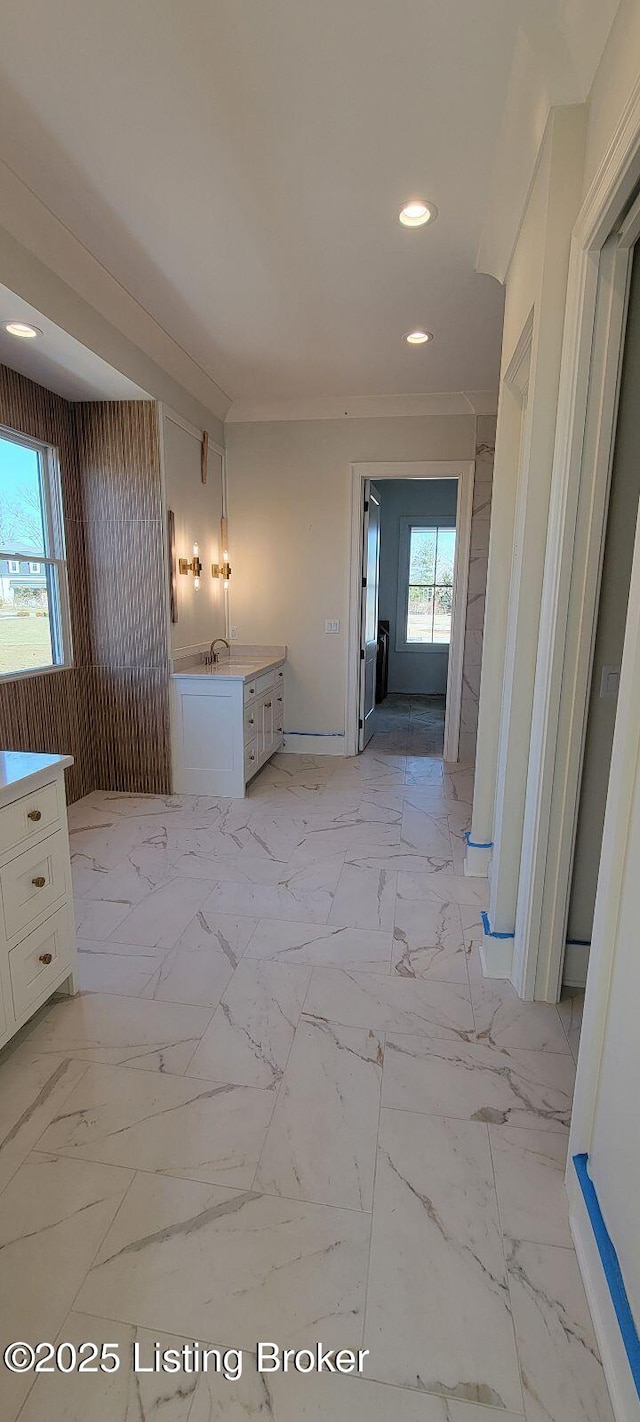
264 682
33 882
38 811
249 692
250 722
38 960
250 759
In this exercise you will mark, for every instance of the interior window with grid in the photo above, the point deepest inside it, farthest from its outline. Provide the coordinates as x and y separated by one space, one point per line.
34 621
430 584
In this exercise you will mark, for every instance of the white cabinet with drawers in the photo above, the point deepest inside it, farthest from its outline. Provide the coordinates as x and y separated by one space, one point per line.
227 721
37 931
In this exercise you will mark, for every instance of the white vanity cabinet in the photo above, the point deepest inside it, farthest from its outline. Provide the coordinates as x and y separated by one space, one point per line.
226 723
37 930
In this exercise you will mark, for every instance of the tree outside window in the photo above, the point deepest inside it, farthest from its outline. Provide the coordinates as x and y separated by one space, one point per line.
33 576
430 586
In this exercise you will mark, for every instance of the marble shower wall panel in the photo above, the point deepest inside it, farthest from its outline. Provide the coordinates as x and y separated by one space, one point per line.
479 558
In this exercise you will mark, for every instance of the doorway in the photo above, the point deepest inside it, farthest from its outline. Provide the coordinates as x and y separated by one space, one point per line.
610 623
411 528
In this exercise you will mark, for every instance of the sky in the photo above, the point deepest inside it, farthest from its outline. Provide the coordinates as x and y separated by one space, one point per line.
19 474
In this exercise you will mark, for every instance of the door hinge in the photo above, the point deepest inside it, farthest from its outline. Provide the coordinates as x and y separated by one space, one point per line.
366 505
362 654
364 582
360 725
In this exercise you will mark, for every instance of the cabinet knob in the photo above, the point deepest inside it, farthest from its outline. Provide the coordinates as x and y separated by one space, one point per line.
252 720
252 691
34 815
267 704
279 730
279 701
251 757
45 958
39 881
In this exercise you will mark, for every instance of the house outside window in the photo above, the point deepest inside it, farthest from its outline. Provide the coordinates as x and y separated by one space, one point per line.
425 584
34 600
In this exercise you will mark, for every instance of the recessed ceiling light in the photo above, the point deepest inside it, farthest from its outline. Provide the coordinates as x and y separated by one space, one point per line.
22 329
418 338
416 214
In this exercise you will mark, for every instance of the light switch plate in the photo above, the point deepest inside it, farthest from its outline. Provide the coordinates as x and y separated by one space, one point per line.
233 634
332 624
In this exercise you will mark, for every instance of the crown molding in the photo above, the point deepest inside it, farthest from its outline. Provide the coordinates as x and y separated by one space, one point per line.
363 407
51 269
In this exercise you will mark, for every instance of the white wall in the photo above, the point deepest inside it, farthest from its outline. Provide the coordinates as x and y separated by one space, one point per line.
289 530
197 509
420 669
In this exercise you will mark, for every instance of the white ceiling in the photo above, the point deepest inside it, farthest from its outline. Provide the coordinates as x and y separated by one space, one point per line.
238 165
57 360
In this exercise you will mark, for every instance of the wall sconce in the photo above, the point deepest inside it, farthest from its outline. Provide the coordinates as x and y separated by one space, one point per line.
223 569
192 565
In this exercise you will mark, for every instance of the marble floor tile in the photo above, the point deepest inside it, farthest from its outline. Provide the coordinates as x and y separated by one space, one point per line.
169 1124
123 886
478 1083
320 945
426 833
570 1007
203 1261
503 1020
303 895
96 1027
53 1216
223 933
397 857
250 1035
321 1143
32 1089
529 1168
123 973
121 1396
445 888
390 1004
364 898
428 941
159 920
422 770
191 975
438 1311
97 918
562 1374
294 1398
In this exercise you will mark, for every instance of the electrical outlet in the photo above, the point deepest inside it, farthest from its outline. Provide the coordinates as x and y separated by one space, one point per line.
332 624
233 634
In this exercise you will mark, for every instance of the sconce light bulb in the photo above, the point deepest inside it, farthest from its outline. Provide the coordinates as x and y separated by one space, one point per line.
196 583
225 583
196 550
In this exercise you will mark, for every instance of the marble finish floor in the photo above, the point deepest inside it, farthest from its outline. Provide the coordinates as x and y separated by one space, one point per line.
286 1106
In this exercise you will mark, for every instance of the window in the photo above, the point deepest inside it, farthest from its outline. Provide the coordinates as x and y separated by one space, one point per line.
34 602
425 585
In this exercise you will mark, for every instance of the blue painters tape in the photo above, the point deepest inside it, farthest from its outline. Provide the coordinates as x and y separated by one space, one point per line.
477 843
611 1267
489 930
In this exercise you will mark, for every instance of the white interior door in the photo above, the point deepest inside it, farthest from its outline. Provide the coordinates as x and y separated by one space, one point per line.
369 617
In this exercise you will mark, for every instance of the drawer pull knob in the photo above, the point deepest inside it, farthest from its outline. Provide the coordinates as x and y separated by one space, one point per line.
252 691
279 701
279 730
252 720
267 704
39 881
46 958
34 815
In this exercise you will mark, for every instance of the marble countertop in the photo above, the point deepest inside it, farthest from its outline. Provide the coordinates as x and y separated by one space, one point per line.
240 666
22 771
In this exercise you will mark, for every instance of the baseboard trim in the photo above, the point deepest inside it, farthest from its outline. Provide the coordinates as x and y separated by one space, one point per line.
624 1397
322 743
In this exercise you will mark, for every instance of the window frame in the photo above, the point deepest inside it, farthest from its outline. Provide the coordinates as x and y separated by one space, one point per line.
54 556
407 523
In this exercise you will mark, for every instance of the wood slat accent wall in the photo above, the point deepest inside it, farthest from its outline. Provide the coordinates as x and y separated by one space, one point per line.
51 712
111 709
119 462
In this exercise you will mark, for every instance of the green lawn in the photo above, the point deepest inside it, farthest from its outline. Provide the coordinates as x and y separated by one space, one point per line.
25 642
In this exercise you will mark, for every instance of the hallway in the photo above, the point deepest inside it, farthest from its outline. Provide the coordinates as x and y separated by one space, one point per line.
287 1106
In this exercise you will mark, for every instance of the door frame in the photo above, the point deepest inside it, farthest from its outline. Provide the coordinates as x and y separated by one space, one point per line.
463 471
585 430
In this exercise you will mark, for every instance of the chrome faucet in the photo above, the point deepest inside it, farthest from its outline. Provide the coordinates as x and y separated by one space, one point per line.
214 656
